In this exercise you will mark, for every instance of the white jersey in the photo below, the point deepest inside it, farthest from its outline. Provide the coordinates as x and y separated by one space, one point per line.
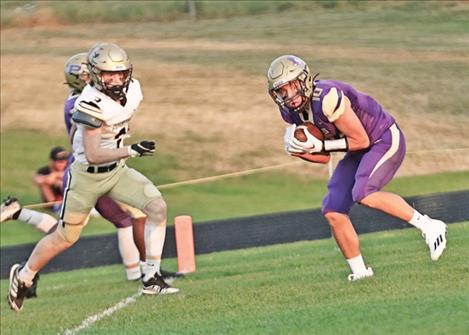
115 117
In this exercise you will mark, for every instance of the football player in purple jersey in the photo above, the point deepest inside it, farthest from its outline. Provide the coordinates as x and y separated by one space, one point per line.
357 124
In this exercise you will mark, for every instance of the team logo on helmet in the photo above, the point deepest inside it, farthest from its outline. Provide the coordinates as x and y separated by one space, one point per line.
295 60
76 72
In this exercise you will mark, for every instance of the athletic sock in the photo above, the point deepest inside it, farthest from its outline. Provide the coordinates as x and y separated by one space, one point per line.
154 242
152 267
143 267
357 264
129 253
26 275
42 221
419 221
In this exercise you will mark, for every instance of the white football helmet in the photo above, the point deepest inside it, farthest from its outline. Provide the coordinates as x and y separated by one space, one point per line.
76 72
285 69
109 57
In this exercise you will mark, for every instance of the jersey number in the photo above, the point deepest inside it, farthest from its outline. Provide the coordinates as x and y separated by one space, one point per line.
120 135
317 93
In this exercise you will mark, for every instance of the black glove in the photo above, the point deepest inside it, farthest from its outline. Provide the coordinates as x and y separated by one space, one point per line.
143 148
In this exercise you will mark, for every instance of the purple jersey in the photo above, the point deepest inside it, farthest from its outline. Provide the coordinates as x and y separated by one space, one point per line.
328 96
362 172
68 108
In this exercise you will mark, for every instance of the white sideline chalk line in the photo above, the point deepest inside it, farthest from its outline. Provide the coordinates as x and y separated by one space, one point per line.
88 322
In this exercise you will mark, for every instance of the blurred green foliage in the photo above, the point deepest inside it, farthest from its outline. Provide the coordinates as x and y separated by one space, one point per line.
30 13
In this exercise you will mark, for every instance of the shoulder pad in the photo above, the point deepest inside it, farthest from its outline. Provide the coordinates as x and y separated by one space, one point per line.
333 104
86 119
90 108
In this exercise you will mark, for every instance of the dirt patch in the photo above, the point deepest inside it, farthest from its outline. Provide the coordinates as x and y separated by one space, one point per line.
218 120
345 52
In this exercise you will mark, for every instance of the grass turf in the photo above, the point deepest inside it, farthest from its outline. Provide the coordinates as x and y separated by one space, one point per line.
244 196
297 288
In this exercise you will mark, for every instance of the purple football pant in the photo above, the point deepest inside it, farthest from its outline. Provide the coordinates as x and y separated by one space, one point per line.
107 207
361 173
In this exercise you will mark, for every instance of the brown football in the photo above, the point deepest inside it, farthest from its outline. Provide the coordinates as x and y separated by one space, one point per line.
312 129
299 134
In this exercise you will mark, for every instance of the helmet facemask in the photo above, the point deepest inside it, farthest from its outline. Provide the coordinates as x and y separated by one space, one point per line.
116 92
292 70
300 85
109 58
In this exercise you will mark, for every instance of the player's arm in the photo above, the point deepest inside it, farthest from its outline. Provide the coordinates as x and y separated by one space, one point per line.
44 182
338 109
94 153
349 125
313 158
41 178
90 116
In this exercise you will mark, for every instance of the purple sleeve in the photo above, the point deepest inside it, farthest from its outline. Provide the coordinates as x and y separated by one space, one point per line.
291 118
69 104
285 116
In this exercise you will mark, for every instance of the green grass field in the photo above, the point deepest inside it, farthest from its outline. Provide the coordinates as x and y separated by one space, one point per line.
206 104
297 288
244 196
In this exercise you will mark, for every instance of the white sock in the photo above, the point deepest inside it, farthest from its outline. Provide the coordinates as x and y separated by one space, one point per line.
129 253
154 242
42 221
418 221
26 275
143 267
357 264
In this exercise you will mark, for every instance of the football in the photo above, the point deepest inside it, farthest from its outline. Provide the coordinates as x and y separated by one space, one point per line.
311 128
321 158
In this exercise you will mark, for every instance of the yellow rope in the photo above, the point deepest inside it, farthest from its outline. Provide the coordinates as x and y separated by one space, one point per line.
191 181
243 173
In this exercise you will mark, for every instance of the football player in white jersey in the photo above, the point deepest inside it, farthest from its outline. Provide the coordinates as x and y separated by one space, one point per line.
103 111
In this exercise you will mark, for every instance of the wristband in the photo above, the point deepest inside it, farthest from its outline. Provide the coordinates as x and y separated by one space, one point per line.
336 145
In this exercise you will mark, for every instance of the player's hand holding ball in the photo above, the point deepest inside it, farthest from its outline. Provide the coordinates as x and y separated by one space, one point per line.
308 137
291 148
143 148
306 142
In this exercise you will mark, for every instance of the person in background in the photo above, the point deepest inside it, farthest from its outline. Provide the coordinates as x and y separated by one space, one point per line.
49 178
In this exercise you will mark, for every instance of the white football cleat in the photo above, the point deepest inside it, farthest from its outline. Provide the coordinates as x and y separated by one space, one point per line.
10 206
435 237
357 276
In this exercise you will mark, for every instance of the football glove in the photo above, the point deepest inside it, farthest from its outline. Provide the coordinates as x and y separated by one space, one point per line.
143 148
289 147
311 145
